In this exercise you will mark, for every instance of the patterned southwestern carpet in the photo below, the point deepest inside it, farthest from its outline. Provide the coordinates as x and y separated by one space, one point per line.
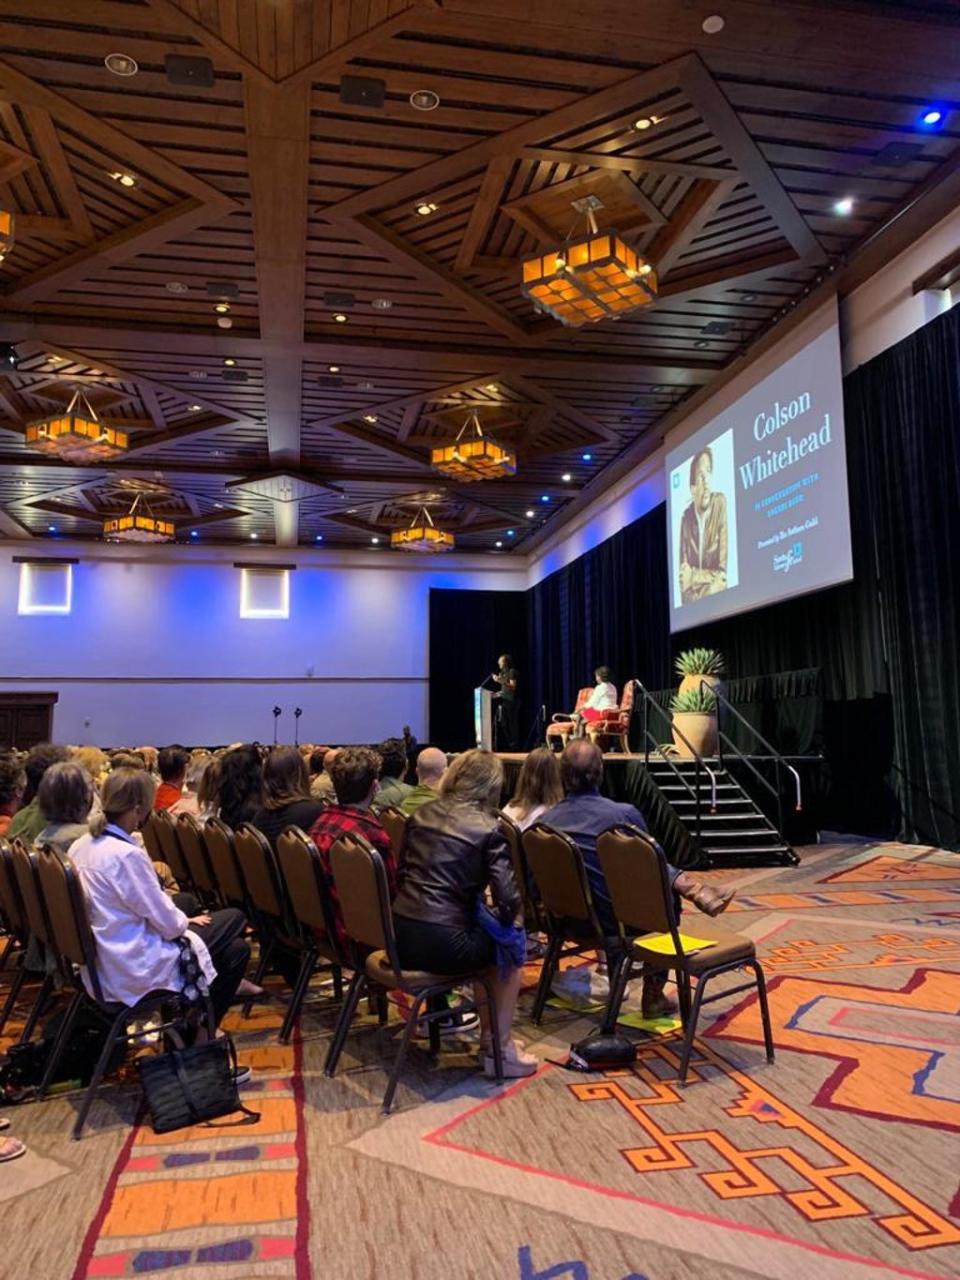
842 1159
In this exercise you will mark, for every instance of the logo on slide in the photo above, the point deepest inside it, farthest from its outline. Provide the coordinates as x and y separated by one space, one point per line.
784 561
676 479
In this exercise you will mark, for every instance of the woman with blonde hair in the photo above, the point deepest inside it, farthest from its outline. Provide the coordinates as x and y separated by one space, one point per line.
135 924
538 788
454 851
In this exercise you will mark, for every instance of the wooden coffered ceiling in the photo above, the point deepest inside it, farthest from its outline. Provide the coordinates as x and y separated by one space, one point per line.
272 191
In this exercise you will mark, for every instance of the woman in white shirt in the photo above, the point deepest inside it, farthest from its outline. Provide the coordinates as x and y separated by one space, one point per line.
134 922
538 788
603 698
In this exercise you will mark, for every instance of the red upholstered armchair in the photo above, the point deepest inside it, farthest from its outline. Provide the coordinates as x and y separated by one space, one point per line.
562 726
614 723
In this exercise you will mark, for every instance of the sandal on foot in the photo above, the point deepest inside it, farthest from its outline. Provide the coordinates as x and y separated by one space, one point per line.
11 1148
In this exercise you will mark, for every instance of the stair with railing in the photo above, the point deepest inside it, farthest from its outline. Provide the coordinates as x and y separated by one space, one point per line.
723 823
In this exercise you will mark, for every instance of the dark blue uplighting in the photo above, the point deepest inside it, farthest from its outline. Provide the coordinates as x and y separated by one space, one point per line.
511 533
51 528
194 534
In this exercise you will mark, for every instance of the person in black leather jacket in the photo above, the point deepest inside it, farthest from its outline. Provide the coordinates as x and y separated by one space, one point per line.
453 851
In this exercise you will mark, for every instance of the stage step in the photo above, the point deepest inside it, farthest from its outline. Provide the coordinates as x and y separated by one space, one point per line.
733 830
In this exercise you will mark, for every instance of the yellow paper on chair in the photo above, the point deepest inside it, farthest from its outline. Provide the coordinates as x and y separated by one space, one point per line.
662 943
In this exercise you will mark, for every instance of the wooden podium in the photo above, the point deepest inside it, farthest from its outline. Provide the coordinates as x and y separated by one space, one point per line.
483 705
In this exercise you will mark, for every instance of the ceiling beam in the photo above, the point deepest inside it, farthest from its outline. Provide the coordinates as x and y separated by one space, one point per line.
687 221
484 210
176 19
404 402
724 123
639 166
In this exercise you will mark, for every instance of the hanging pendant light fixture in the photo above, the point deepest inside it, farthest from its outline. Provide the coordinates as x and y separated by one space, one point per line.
8 228
77 434
422 535
590 277
138 525
473 456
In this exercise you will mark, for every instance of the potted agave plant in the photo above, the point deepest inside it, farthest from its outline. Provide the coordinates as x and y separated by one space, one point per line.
695 716
700 666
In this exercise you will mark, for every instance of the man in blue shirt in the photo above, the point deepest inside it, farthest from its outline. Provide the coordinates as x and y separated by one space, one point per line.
584 814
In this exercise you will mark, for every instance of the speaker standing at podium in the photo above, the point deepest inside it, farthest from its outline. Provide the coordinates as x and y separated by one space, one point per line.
507 720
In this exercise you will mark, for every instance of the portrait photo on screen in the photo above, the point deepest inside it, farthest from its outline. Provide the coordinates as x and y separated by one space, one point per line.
703 518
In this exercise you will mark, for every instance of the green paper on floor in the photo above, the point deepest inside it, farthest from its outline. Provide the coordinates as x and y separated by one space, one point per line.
653 1026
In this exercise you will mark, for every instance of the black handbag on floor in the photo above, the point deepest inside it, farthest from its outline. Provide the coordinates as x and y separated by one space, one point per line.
188 1086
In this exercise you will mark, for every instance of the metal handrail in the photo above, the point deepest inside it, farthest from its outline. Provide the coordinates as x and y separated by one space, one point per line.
774 753
650 701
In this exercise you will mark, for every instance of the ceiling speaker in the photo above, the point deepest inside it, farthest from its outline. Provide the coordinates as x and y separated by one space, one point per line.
196 73
362 91
234 375
338 298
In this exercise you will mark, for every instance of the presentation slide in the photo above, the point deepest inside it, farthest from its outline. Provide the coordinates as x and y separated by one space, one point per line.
757 499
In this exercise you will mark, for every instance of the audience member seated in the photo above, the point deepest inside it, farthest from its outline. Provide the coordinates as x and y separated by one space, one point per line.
538 788
411 749
127 760
172 763
94 761
393 790
584 814
134 922
66 797
431 765
454 851
321 783
286 795
603 698
208 791
29 821
150 757
13 782
189 801
355 781
241 784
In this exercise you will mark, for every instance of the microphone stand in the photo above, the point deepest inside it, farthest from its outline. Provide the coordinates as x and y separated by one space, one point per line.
277 713
297 713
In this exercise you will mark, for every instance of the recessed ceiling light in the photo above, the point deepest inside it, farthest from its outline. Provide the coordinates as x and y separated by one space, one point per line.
843 208
498 543
566 477
194 408
424 100
587 457
544 497
125 179
351 511
222 308
218 505
932 116
492 387
318 537
714 24
121 64
374 541
426 207
334 368
511 533
381 304
529 514
51 528
748 297
194 534
224 322
365 386
217 453
229 362
176 286
198 375
370 417
701 343
254 536
340 318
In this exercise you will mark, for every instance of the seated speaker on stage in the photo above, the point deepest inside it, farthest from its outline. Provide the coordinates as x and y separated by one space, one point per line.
603 698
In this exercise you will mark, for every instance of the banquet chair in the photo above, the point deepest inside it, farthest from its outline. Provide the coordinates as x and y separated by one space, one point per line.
572 927
167 837
308 894
635 869
616 722
218 840
394 822
563 725
194 850
532 908
15 919
24 869
268 902
363 892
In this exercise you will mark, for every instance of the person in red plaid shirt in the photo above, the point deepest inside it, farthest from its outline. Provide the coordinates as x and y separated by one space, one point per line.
354 771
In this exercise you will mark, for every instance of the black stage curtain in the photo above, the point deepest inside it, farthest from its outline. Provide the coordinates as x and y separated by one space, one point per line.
468 632
885 706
